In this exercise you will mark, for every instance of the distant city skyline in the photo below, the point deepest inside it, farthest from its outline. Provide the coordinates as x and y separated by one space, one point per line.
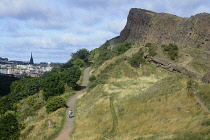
53 29
29 61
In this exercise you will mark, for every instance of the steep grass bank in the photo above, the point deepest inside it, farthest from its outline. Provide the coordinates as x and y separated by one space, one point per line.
139 103
40 124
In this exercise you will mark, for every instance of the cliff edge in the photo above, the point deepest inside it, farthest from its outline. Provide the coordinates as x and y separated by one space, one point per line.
147 26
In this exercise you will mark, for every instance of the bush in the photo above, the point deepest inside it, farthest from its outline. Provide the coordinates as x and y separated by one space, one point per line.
55 103
122 48
9 126
92 78
148 45
152 49
171 50
137 59
99 80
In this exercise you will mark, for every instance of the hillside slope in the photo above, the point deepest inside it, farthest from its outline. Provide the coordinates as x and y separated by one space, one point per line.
140 103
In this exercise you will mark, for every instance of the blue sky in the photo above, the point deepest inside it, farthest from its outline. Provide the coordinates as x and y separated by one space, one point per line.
53 29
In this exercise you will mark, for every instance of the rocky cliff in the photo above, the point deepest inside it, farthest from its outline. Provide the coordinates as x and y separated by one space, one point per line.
147 26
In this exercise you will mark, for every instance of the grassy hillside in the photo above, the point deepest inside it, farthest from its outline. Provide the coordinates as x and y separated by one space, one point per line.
39 124
126 103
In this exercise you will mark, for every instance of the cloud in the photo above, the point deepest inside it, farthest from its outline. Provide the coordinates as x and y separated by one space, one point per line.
37 13
53 29
22 9
48 25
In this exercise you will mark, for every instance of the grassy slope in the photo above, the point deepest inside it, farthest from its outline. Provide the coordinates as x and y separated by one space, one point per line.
143 103
37 124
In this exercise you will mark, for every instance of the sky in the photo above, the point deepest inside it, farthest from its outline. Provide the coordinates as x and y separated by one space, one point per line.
54 29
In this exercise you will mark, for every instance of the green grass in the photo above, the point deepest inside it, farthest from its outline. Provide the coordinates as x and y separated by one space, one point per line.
203 92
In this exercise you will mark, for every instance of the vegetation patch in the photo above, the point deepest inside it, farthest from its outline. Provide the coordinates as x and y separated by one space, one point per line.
54 103
171 50
151 49
137 59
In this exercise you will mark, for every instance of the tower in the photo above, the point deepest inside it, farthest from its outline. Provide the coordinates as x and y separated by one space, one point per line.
31 60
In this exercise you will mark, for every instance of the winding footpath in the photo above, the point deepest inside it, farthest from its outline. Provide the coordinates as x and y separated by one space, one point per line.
69 124
201 103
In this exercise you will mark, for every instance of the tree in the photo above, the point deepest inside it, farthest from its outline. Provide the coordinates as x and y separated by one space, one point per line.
81 54
5 83
9 126
23 88
67 64
51 84
79 62
70 76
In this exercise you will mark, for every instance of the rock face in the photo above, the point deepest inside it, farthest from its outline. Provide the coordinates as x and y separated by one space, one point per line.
206 77
148 26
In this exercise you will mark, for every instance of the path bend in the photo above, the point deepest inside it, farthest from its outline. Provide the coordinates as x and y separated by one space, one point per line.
69 124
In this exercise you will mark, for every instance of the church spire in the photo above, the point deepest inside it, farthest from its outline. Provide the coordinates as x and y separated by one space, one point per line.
31 60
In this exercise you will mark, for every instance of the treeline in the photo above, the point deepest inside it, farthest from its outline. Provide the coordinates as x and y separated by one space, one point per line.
51 84
5 83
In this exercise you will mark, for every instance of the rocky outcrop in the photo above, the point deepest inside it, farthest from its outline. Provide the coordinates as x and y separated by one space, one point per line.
167 65
147 26
206 77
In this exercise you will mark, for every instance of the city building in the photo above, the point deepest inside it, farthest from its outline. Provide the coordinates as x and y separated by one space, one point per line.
23 69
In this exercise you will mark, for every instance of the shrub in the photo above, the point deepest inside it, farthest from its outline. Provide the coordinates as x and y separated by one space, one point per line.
55 103
92 78
148 45
152 49
100 80
171 50
122 48
9 126
136 59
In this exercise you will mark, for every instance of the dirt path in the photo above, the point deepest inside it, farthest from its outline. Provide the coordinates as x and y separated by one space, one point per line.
185 63
201 103
69 124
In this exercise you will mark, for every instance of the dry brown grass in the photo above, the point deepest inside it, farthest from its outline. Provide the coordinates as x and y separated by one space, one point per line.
37 126
148 103
41 130
150 106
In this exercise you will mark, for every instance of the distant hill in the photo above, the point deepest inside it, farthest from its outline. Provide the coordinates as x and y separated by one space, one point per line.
147 26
